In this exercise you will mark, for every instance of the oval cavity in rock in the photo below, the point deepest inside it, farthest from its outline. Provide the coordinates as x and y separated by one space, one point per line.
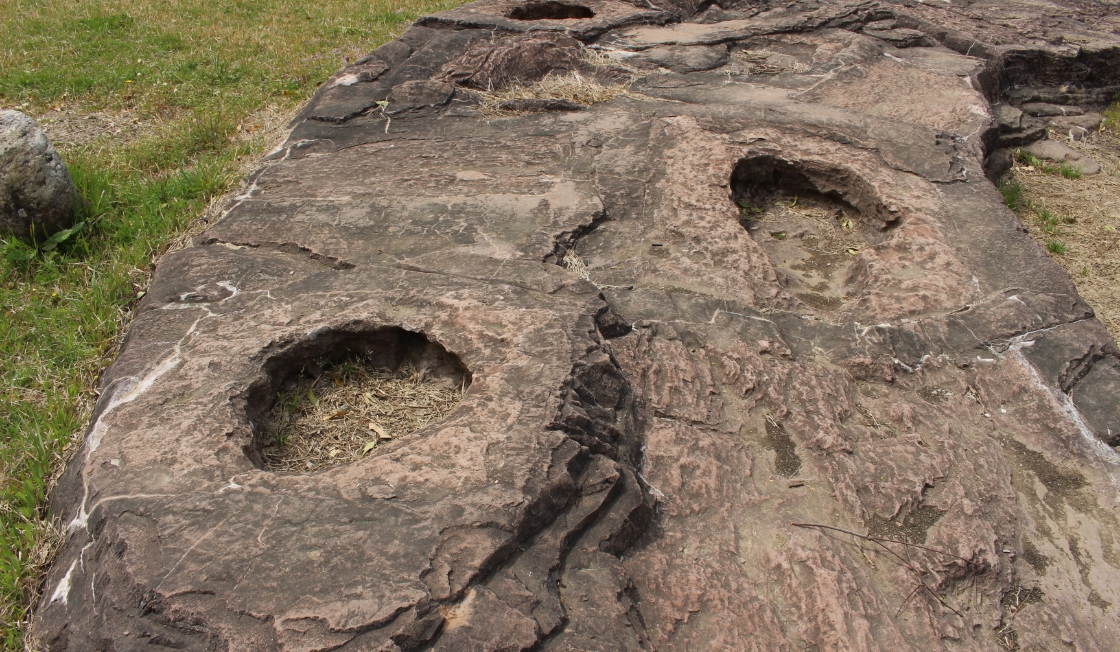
550 10
805 222
334 398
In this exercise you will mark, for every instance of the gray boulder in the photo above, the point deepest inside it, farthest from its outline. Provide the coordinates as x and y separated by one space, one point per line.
36 191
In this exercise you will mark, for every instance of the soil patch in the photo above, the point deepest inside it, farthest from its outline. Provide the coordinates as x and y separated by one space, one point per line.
69 127
786 460
911 528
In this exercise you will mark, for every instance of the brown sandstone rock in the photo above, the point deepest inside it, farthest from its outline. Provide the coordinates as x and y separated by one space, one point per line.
801 302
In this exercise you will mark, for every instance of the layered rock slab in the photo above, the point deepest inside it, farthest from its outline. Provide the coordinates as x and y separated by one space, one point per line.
636 444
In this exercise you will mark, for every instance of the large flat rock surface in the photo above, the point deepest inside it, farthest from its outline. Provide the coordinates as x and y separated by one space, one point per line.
816 389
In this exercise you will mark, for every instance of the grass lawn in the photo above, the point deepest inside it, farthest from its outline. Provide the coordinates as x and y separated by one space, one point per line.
157 108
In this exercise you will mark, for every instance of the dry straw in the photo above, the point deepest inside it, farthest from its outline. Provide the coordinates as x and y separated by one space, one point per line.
835 226
344 413
575 263
572 87
763 62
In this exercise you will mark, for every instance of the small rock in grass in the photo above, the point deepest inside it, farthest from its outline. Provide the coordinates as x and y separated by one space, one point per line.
1052 150
36 191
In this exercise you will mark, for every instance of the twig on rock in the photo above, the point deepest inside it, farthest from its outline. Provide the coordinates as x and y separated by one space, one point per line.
910 595
907 562
869 537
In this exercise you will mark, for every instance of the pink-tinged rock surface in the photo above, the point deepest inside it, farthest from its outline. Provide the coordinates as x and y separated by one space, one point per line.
736 435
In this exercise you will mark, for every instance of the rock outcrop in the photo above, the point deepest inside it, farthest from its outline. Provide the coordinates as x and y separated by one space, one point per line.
37 195
759 358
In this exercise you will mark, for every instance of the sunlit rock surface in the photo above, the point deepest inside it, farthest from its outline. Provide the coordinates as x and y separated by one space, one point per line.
803 305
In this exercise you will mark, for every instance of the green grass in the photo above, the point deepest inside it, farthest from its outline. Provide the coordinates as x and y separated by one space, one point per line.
1069 171
1012 192
1056 247
1064 169
1112 116
1047 221
1026 158
197 69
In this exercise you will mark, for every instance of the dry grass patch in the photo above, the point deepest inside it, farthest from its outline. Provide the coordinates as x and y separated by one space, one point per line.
835 228
764 62
575 263
1077 220
342 414
572 87
71 127
610 58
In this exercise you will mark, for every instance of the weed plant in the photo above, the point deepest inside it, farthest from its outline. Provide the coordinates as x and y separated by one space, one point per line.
1047 221
1112 116
1056 247
1012 192
196 71
1069 171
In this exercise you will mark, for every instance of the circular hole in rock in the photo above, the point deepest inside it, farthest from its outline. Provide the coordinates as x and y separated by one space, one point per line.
550 10
336 397
811 223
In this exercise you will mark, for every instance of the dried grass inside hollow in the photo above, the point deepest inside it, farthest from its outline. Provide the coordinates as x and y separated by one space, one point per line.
343 413
834 235
576 263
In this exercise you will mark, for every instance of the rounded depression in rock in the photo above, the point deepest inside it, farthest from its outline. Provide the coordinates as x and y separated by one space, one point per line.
550 10
805 224
335 398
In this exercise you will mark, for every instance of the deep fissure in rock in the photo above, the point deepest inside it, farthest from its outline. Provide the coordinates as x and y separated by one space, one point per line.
597 508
